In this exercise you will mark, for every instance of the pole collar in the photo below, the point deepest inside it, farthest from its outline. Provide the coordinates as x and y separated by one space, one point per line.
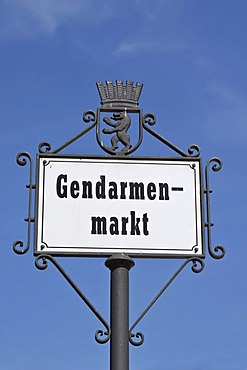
119 260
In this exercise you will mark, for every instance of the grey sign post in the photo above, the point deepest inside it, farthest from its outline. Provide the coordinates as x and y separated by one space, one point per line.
111 206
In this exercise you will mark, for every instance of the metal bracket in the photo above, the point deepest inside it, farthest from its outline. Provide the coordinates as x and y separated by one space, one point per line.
88 116
22 159
195 268
41 264
219 251
150 119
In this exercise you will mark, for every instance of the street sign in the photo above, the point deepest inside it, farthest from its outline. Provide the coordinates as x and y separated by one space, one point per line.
119 206
96 206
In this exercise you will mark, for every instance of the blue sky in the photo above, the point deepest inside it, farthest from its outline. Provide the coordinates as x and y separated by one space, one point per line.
191 57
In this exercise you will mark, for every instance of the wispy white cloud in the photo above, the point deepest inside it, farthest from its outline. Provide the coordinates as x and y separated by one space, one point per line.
137 45
227 114
151 25
31 17
157 29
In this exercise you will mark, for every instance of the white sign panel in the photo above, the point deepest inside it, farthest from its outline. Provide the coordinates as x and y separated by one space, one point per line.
101 205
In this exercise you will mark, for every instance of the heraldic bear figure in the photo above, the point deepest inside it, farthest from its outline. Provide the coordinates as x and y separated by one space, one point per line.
120 127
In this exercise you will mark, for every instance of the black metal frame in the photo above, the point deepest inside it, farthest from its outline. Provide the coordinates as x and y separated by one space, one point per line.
119 265
215 164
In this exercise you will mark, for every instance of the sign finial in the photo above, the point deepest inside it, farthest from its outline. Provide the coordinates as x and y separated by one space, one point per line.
121 94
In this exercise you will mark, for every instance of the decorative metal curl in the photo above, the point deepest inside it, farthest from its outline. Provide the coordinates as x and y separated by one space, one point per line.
21 158
195 268
18 245
43 259
44 147
219 251
99 333
149 118
194 150
139 336
197 265
217 165
89 116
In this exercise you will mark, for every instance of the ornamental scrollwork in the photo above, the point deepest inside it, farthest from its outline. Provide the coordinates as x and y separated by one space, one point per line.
41 263
218 252
197 267
136 339
102 336
89 116
194 150
44 147
149 118
23 159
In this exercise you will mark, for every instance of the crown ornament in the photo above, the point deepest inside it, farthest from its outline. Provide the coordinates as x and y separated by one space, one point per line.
120 94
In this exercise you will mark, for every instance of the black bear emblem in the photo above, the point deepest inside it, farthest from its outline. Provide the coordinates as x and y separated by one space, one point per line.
120 127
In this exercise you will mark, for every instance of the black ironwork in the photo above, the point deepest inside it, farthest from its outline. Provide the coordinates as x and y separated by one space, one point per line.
99 333
88 116
121 102
195 268
119 131
119 95
150 119
18 245
219 251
